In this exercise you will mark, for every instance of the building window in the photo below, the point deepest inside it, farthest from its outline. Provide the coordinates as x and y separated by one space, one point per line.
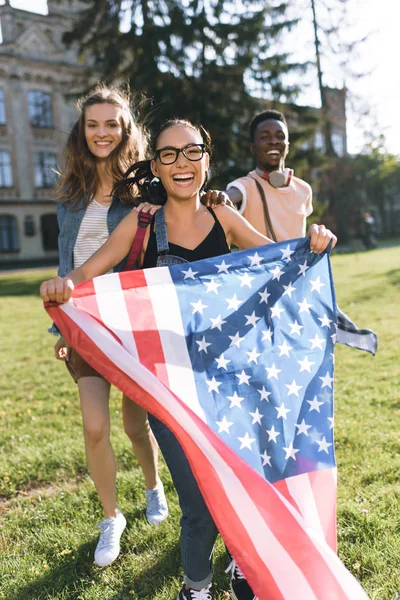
8 234
49 231
40 109
6 175
45 167
338 143
3 119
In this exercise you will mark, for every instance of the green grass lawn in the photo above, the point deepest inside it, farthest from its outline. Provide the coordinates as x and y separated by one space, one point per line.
48 506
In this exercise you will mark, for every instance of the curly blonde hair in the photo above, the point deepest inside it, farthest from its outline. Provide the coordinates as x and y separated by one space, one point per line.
80 179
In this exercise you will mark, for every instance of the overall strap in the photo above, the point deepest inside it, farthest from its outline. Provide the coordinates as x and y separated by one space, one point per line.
267 217
161 232
144 219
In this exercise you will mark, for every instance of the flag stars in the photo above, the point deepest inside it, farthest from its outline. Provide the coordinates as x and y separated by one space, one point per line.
267 335
293 388
224 425
314 404
252 319
277 273
253 356
212 286
285 349
305 306
203 345
243 378
287 253
305 365
272 372
291 452
245 280
233 303
198 307
331 421
257 416
317 342
255 260
295 328
213 385
223 267
326 380
222 362
217 322
189 274
276 311
302 428
303 268
282 411
272 434
246 441
316 285
264 394
289 289
236 340
325 322
266 459
235 400
323 445
264 296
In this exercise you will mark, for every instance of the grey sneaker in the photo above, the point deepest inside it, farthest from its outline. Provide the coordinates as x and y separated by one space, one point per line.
107 549
157 508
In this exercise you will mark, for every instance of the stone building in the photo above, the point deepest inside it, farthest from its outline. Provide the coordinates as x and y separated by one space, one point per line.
38 76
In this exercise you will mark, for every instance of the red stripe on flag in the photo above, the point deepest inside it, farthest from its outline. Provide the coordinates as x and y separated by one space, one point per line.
143 323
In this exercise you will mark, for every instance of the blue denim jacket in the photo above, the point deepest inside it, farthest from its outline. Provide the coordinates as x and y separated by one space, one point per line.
69 217
69 220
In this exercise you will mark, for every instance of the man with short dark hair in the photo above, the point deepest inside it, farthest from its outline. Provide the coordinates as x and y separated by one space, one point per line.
270 197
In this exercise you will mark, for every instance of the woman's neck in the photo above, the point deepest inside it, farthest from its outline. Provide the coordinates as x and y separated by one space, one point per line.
183 210
105 185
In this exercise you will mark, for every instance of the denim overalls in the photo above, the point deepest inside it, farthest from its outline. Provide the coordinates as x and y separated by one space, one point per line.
164 259
198 531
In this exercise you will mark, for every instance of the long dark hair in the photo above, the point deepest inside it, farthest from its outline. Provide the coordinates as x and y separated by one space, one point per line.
139 175
79 180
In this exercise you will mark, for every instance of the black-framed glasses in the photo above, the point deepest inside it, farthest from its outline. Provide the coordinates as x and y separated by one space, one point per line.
169 154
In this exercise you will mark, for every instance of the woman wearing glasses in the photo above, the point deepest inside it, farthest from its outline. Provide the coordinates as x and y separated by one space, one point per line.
185 230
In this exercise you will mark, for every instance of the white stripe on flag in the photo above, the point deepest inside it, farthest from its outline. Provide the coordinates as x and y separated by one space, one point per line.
167 314
113 311
301 491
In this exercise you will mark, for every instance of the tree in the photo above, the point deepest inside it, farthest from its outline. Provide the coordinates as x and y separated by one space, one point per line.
194 58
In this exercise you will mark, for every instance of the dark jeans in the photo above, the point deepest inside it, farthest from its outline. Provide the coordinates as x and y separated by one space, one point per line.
198 531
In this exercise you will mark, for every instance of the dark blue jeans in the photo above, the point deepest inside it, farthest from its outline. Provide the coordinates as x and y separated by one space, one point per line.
198 531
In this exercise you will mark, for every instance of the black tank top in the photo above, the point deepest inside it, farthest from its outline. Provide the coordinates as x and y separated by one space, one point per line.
214 244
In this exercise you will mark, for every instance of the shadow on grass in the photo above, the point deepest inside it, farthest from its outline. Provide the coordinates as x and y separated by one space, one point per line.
62 578
394 277
71 578
13 286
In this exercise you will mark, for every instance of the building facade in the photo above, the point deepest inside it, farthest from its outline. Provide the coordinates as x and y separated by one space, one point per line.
38 78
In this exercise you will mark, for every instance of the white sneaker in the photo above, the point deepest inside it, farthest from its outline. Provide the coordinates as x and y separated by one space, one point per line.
107 549
157 508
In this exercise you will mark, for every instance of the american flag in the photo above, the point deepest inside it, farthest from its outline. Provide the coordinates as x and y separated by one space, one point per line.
235 355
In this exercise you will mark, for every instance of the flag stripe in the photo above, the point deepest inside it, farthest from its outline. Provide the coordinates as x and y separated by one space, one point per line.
165 306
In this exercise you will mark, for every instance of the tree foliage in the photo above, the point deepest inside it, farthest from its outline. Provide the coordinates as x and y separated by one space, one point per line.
194 58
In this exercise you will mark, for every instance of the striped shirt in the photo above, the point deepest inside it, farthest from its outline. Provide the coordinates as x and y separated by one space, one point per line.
93 233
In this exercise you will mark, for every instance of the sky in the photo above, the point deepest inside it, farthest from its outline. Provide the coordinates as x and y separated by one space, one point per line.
378 57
